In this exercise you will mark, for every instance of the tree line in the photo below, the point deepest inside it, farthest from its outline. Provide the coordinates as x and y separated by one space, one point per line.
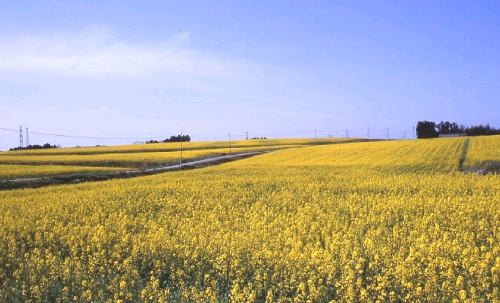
428 129
178 138
34 146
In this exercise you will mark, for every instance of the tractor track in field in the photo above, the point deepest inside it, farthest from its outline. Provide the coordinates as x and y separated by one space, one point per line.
483 169
463 156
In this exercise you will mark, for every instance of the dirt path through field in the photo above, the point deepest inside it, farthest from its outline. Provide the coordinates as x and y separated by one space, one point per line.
76 178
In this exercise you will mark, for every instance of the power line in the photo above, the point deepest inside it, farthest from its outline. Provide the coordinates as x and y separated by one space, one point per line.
86 137
144 138
330 131
213 138
245 136
357 129
290 134
8 129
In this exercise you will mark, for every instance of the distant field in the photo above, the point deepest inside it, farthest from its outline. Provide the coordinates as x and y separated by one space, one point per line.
441 155
136 156
130 159
388 221
24 171
175 146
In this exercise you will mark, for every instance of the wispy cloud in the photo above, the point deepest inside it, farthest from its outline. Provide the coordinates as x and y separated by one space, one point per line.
97 52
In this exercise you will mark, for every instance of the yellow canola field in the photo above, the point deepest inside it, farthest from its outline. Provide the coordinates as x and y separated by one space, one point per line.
25 171
174 146
347 227
131 159
483 149
423 156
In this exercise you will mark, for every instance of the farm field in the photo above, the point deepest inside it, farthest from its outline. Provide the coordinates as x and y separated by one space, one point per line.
25 171
393 221
174 146
483 151
419 156
131 159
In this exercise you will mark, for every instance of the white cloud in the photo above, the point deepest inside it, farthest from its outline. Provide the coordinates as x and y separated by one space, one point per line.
96 52
91 83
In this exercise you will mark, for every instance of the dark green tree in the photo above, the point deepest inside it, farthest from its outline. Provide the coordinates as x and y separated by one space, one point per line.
426 129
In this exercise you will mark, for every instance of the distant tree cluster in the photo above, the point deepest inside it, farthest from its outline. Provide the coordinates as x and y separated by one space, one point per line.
35 146
179 138
482 130
450 128
428 129
257 138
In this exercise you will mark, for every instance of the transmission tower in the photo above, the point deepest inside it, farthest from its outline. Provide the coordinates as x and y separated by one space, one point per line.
347 133
27 138
368 134
21 136
247 135
387 135
404 136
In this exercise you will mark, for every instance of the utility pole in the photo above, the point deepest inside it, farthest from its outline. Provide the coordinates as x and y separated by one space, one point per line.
180 163
21 136
368 134
27 138
229 143
247 135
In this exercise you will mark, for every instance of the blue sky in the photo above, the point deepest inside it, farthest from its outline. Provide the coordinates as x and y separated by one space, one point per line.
277 69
